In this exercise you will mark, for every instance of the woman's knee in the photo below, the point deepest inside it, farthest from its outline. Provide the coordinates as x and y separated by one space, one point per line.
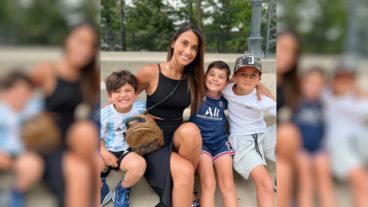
82 138
288 140
189 134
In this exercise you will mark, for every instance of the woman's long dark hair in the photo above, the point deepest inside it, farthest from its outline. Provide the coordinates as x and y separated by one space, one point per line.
90 77
194 71
290 83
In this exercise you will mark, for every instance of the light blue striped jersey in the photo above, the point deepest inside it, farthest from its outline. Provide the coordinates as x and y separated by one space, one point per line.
113 125
11 124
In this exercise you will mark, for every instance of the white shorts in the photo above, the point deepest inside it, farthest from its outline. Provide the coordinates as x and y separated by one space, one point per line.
347 153
247 157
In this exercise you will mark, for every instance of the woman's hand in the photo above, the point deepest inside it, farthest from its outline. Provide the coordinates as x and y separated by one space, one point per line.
263 91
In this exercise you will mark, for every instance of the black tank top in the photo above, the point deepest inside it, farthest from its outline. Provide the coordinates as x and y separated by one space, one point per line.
63 101
173 107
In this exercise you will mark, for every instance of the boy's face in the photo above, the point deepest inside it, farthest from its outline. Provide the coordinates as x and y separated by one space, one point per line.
216 80
312 85
123 98
19 94
343 83
247 78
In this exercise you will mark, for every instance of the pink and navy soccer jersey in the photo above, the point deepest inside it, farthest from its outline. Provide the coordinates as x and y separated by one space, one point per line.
211 120
308 117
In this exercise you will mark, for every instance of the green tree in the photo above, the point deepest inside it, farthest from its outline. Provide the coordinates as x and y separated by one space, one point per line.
39 21
321 24
149 25
110 24
229 25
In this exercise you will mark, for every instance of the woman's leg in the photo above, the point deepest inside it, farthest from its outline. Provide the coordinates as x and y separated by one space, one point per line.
82 140
305 180
187 143
224 170
264 186
207 180
77 179
182 173
324 180
288 144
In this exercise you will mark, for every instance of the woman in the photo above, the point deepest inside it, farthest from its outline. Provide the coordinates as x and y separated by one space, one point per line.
67 84
288 136
170 170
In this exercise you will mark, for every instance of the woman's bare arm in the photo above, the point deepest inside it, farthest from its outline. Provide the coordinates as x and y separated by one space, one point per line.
41 76
145 76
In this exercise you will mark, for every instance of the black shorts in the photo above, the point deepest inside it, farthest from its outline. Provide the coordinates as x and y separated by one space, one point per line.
120 155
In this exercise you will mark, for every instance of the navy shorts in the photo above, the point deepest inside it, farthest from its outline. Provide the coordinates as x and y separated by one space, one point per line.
120 155
218 149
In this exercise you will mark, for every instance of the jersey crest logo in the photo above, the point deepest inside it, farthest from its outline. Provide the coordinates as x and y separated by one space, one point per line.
221 104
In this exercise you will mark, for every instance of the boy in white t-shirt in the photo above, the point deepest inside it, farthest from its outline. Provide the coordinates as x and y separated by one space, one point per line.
115 153
249 135
346 113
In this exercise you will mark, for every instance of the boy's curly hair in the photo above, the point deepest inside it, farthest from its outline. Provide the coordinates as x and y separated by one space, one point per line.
117 79
13 77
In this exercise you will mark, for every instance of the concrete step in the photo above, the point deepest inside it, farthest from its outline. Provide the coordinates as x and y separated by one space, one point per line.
142 195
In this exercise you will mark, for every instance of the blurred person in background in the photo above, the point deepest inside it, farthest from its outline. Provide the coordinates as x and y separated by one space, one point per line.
346 111
16 106
288 135
71 171
313 165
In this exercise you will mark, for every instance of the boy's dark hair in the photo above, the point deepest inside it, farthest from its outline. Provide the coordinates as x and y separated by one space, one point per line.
117 79
11 78
220 65
313 69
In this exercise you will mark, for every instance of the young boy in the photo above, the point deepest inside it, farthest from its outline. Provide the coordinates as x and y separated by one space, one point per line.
251 140
216 149
312 160
115 152
16 105
346 112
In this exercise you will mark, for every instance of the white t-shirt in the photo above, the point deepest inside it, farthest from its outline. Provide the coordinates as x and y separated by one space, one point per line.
113 125
344 115
246 111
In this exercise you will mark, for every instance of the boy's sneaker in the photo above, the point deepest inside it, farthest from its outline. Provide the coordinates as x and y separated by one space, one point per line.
196 201
16 199
106 194
121 196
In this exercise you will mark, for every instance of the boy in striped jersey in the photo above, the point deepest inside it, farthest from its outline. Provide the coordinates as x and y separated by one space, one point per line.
115 153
